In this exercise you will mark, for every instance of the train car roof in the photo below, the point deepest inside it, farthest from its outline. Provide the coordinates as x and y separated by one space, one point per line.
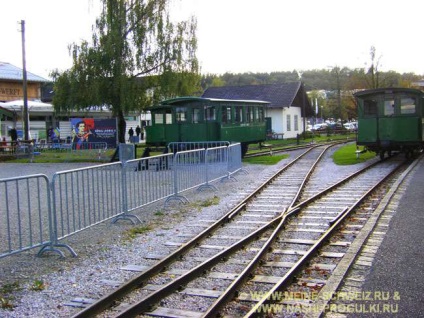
387 90
180 100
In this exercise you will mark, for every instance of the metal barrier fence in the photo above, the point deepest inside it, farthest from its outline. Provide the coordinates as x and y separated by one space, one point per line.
25 213
147 180
84 197
184 146
234 159
37 213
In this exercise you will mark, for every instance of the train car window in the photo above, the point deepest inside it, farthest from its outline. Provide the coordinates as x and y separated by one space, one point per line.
261 114
226 114
181 114
239 114
210 113
158 118
249 115
407 105
370 108
195 115
168 117
389 107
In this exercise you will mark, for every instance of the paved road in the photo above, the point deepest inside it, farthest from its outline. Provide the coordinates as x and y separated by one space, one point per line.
10 170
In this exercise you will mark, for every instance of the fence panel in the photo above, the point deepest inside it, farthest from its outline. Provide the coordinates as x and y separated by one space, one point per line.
24 213
216 163
85 197
148 180
189 170
234 159
193 145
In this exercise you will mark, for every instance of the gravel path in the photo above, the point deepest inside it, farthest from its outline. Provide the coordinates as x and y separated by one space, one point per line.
106 248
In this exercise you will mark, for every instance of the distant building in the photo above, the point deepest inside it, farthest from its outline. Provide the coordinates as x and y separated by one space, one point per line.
11 88
419 84
41 115
289 104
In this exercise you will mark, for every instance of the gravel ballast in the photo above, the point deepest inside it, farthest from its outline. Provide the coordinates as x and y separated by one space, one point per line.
105 249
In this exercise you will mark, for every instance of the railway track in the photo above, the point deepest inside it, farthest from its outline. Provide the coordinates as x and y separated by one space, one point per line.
204 273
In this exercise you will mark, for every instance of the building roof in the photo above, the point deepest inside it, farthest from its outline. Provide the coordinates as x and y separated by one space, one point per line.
10 72
185 99
279 95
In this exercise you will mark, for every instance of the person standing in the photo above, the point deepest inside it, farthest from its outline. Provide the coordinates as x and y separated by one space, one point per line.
131 134
13 135
138 132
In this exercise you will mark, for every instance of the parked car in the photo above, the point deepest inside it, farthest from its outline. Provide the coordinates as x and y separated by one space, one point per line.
352 126
322 126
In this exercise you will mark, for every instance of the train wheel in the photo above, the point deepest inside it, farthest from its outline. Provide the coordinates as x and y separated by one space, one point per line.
382 154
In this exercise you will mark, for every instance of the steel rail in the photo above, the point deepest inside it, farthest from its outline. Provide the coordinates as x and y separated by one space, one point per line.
335 223
232 290
146 304
108 300
291 148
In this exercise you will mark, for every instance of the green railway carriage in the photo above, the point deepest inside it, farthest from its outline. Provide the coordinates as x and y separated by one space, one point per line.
193 119
391 119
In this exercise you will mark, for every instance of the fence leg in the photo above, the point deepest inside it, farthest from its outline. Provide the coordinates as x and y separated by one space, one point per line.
54 248
125 215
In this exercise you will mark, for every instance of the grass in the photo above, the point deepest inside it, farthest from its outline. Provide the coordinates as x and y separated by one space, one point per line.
5 299
266 160
346 155
37 285
209 202
133 232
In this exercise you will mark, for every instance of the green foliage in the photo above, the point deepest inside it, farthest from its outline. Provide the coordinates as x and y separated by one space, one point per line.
10 288
209 202
5 300
37 285
135 50
133 232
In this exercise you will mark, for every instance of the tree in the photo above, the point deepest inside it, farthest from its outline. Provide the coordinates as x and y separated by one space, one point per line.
137 57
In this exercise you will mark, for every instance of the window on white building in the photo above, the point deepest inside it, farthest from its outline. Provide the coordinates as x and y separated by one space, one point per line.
288 123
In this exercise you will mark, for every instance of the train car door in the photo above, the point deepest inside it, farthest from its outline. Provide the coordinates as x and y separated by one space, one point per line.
181 120
368 122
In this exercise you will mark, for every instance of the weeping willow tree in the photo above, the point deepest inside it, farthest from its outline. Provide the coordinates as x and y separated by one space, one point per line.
137 56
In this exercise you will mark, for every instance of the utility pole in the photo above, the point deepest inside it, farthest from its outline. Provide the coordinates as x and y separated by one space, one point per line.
25 119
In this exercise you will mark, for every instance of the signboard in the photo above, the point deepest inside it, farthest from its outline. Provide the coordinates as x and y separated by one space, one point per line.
93 130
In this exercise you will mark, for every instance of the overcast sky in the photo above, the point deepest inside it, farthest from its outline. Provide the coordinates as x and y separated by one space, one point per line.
238 35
